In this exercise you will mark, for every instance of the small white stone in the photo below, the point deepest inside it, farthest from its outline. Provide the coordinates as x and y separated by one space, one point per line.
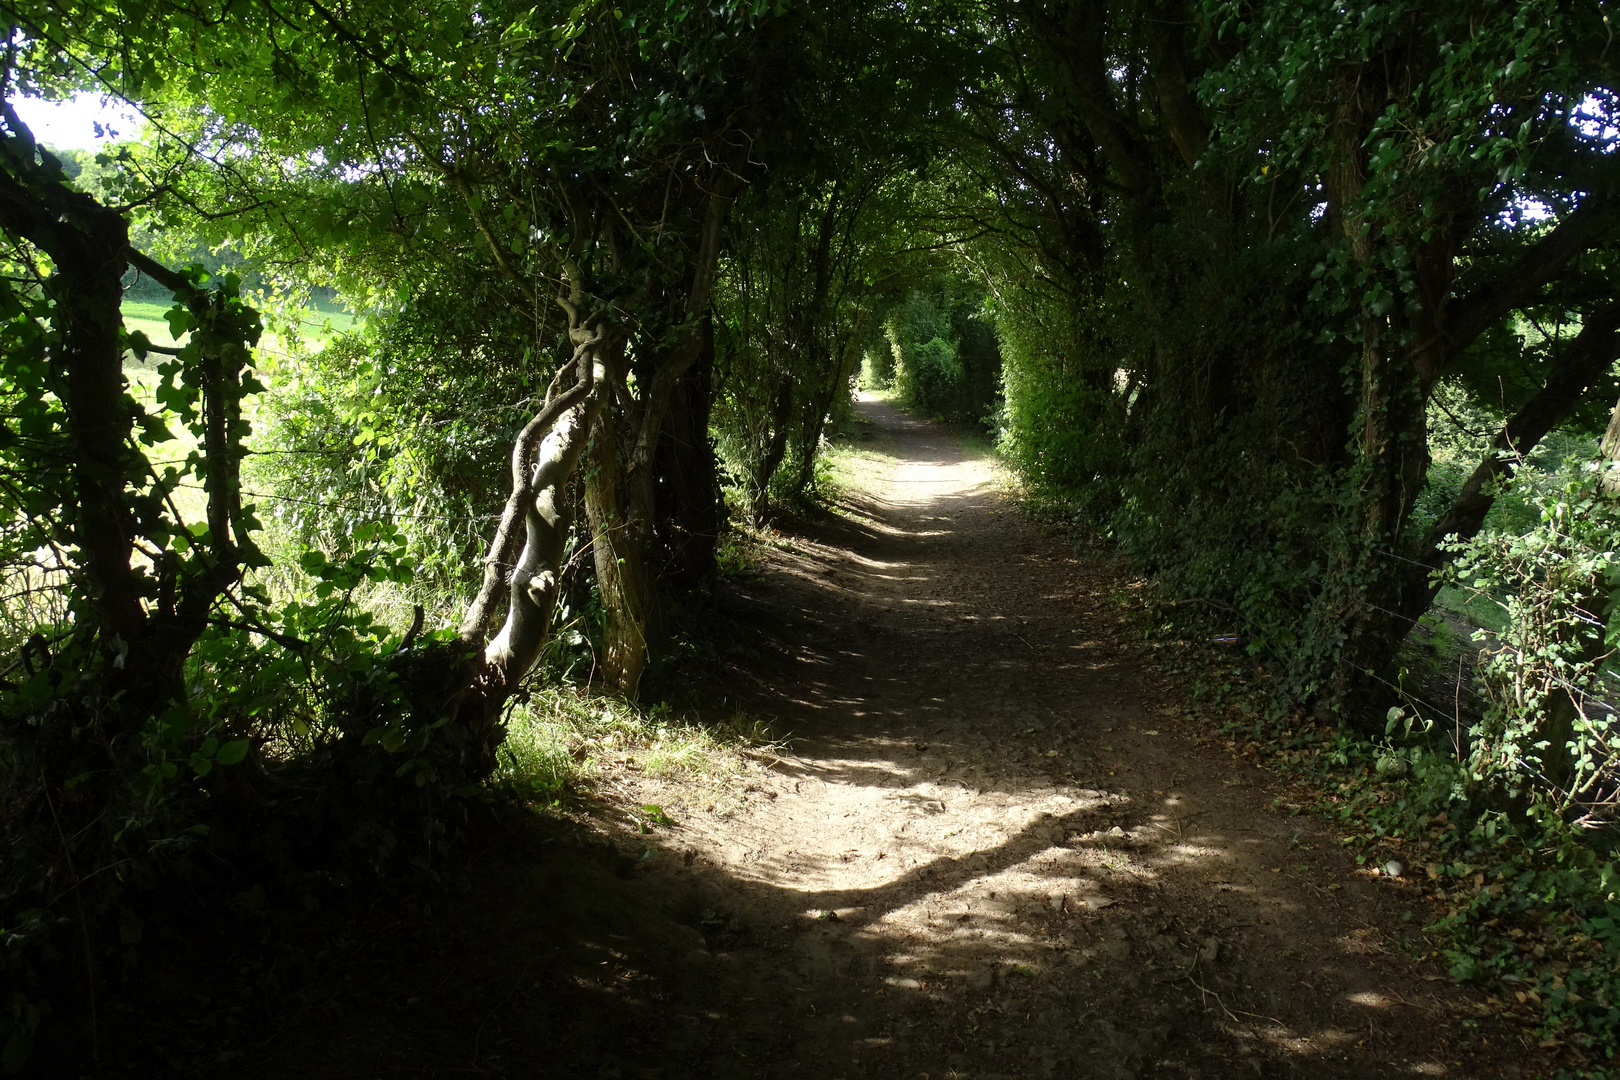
1393 868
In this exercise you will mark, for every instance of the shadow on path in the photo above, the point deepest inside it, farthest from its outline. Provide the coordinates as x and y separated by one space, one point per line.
993 849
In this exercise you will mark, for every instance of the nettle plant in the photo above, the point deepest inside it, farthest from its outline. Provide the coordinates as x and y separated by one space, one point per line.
1550 736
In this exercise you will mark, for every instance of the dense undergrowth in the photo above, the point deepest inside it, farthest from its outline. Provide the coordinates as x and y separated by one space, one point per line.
308 767
1518 874
1525 907
374 804
1488 784
939 353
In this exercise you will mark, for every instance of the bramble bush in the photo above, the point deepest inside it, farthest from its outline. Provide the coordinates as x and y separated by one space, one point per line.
1510 815
1548 740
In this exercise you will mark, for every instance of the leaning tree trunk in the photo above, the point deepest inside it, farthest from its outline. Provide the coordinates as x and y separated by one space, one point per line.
526 568
833 390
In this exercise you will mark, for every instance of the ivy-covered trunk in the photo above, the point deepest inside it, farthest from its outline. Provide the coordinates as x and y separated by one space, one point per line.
622 481
95 724
1364 591
1401 269
134 623
619 504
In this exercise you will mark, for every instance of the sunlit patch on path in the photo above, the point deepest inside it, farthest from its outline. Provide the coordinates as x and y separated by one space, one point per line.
989 851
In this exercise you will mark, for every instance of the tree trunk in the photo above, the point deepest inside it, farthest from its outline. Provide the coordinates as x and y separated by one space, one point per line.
621 484
544 460
814 421
1390 466
537 572
1390 458
619 548
89 246
759 493
690 509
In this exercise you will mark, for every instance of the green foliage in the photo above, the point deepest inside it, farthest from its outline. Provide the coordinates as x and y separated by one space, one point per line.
794 318
1528 906
929 374
947 361
877 368
1199 264
170 684
1508 818
1547 740
358 431
307 701
1052 428
1223 313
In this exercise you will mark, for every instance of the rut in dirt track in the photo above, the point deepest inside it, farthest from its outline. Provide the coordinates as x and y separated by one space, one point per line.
995 848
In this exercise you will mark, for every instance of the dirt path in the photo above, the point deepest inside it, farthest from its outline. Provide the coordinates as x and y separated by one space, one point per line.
991 851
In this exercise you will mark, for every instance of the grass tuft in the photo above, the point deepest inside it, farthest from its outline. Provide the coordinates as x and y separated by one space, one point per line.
561 743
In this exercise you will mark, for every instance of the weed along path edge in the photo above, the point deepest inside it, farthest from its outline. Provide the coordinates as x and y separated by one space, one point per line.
993 847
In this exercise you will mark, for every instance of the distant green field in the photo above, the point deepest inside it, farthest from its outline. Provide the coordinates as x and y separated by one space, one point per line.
321 320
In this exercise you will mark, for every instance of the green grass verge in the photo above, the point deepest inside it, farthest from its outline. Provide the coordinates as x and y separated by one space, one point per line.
561 742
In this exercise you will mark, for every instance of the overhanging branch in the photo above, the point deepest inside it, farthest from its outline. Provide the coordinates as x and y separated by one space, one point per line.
1577 368
1475 313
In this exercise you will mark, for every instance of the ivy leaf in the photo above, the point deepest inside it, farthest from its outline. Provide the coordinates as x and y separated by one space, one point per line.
180 320
233 752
